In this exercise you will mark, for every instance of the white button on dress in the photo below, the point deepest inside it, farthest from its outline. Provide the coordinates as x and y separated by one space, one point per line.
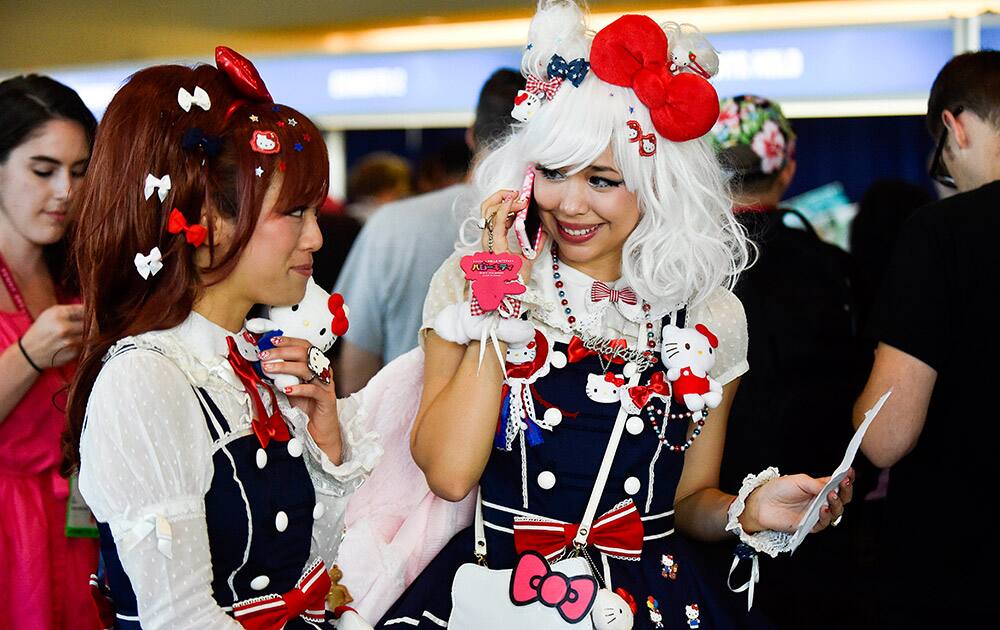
281 521
295 447
546 480
319 511
260 582
632 485
634 425
261 458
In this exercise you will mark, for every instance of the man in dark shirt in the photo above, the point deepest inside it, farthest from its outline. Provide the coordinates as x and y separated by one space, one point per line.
938 352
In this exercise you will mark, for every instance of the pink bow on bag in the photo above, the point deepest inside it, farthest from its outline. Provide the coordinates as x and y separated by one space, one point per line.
533 581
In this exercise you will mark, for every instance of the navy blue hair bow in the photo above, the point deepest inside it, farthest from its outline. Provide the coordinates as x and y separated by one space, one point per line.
573 71
195 138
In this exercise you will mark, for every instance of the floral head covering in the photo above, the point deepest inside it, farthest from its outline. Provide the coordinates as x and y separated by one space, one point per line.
752 136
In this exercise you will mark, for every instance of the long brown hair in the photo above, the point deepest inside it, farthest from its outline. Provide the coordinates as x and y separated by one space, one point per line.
213 171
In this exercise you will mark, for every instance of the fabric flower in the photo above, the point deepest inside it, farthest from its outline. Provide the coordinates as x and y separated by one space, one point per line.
769 144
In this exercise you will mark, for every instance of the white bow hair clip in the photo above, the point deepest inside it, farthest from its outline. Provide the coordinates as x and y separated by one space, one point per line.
200 98
159 185
148 265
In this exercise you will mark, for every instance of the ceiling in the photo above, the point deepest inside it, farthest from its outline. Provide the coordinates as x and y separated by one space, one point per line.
52 33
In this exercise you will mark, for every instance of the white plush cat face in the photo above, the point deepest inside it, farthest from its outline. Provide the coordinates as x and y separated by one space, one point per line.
691 612
602 390
687 347
522 354
668 561
610 612
310 319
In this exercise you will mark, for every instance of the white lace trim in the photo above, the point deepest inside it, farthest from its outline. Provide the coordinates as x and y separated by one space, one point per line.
213 376
768 541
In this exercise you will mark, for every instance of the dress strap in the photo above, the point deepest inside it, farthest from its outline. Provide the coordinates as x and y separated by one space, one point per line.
15 294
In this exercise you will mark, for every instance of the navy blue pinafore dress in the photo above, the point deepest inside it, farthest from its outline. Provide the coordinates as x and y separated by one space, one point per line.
669 585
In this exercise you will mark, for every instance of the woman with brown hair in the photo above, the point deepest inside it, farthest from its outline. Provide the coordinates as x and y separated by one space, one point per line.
46 134
217 498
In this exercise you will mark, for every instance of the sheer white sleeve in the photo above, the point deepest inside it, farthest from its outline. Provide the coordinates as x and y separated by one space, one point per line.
723 314
334 484
146 465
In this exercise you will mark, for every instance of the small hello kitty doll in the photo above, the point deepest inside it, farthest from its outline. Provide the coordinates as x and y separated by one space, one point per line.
320 318
525 364
688 354
613 610
525 106
654 611
693 616
605 388
691 52
669 567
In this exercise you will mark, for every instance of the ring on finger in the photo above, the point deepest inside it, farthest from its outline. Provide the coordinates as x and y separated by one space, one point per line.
319 365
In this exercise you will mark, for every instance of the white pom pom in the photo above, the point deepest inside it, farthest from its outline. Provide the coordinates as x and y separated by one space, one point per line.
559 27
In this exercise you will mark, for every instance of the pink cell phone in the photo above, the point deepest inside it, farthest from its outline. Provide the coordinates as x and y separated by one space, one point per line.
527 223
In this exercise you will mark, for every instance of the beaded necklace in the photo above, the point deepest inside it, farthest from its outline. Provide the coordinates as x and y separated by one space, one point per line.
599 344
661 433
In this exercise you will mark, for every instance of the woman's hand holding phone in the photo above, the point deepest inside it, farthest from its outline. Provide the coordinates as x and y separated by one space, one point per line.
498 212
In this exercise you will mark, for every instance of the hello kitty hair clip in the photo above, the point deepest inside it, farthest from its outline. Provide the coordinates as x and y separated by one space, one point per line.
647 142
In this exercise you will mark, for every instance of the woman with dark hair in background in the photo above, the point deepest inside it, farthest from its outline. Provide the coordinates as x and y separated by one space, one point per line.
46 133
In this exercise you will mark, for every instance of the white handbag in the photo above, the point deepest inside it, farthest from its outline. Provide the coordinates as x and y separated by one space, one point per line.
481 596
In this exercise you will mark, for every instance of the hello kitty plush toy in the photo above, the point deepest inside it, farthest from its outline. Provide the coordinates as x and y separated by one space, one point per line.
688 355
525 364
613 610
693 615
320 318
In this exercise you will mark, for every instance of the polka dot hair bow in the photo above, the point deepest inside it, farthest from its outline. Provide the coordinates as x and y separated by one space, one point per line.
632 52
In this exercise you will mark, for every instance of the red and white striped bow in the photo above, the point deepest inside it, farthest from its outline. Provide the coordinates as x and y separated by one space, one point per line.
306 600
534 85
618 533
600 292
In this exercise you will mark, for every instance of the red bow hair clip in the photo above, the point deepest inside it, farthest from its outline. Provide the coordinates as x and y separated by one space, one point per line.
632 52
339 324
195 234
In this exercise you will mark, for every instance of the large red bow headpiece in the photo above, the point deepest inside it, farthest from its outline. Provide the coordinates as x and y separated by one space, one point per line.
632 52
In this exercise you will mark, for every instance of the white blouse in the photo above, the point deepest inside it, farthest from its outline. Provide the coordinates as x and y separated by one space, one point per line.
146 465
722 312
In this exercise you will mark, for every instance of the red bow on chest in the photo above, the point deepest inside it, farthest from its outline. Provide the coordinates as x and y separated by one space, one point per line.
640 394
618 533
266 426
577 352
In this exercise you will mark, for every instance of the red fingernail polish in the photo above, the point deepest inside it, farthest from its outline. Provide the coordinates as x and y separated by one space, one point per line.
288 390
264 354
276 340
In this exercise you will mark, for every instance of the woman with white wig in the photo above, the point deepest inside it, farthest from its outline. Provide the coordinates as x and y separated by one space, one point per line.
581 365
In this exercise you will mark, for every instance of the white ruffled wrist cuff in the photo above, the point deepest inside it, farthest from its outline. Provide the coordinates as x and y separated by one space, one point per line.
767 541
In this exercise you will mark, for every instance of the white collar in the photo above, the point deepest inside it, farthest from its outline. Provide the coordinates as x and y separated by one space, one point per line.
207 342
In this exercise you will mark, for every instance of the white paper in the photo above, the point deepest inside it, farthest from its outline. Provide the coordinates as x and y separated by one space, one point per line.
811 517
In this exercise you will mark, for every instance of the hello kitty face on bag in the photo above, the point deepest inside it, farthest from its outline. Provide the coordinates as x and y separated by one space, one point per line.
525 106
605 388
